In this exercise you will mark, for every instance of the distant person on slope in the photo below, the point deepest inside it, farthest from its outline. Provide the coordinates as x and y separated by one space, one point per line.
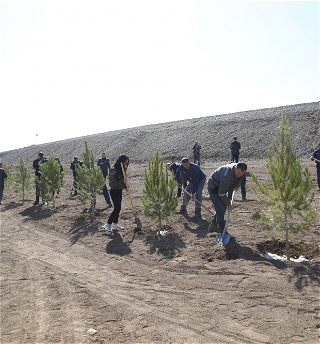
117 183
316 155
3 175
235 150
196 153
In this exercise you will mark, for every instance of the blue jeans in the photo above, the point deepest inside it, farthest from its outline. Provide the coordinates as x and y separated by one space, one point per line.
243 191
186 198
220 208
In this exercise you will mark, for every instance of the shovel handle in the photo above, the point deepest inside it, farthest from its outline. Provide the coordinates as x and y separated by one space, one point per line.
124 174
315 159
233 192
198 201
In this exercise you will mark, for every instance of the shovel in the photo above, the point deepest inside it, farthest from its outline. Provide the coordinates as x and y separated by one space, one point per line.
198 201
137 220
223 238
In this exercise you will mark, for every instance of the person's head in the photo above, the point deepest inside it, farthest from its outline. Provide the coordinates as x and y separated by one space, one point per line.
319 144
0 164
75 159
57 160
124 159
185 162
240 169
40 155
235 138
103 155
168 166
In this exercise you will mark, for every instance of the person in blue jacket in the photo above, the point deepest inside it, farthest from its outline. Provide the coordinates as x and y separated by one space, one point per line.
3 175
196 178
104 165
235 150
316 155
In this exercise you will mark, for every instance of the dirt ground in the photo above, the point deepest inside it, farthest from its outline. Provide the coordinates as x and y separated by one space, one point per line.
63 277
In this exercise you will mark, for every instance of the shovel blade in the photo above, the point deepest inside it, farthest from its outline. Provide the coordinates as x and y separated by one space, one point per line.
223 238
138 222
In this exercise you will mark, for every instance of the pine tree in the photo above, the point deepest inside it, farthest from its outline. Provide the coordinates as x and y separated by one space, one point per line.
22 178
90 180
51 180
159 199
288 199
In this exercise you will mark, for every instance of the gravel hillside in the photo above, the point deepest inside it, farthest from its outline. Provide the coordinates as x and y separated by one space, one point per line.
255 130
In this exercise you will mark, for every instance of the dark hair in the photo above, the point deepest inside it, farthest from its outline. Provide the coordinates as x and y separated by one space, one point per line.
122 158
235 138
243 167
185 160
40 154
103 153
57 159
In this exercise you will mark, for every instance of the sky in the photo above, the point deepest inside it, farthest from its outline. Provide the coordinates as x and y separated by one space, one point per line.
77 68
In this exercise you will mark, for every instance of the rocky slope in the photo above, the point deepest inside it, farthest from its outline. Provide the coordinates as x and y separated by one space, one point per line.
255 130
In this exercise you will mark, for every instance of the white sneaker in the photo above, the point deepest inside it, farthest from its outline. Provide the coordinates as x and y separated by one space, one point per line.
117 228
107 227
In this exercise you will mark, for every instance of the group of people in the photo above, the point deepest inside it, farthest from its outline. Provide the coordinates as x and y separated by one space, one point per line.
189 177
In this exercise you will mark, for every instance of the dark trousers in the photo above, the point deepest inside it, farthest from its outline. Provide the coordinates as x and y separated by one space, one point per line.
116 196
243 190
1 192
318 173
235 158
106 194
37 192
196 159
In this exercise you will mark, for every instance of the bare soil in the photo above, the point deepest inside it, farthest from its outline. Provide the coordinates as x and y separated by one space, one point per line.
62 275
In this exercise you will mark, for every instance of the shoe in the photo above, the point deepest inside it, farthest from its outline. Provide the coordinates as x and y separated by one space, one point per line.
213 226
196 216
36 202
109 205
182 211
318 188
107 227
244 199
116 228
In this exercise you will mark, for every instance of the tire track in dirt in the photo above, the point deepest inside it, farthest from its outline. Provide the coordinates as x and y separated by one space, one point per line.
140 300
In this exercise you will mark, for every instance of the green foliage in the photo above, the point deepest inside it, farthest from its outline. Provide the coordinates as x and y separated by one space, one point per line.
159 199
90 180
8 180
288 199
22 178
51 180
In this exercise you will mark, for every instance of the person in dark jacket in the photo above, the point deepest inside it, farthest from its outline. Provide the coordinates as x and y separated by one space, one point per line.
36 165
3 175
73 165
223 179
173 168
235 147
316 155
196 178
104 165
61 170
196 153
117 182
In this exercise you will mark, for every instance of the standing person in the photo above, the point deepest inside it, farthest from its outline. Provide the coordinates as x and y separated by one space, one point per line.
196 153
223 179
117 182
36 164
316 155
73 165
3 175
235 150
104 165
196 178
